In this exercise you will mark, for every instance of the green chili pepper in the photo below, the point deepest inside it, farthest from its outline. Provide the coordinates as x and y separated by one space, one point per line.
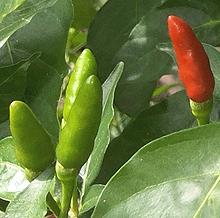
77 138
33 146
78 135
85 66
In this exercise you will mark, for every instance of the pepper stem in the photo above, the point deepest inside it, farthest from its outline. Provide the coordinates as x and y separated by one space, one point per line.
203 121
202 111
67 188
74 202
67 178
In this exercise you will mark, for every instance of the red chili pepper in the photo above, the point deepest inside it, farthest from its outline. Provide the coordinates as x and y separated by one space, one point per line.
193 63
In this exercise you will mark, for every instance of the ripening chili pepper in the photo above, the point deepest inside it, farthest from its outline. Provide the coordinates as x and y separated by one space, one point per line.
194 68
33 147
78 135
192 60
85 66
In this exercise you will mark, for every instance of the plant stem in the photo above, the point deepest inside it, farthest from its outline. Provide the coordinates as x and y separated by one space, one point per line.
67 178
67 191
203 121
162 89
74 202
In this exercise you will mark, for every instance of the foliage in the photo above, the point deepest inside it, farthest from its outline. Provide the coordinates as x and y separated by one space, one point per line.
149 159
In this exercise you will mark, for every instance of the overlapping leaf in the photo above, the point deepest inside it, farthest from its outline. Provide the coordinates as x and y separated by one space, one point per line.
11 22
12 176
174 176
12 180
167 117
91 198
32 203
7 150
13 81
7 6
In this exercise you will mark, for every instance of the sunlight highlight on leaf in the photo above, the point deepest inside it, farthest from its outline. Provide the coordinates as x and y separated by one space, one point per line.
21 16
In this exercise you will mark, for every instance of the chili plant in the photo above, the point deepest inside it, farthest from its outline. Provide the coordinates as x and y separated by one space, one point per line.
109 108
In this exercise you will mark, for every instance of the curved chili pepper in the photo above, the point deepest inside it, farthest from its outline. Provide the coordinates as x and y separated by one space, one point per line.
192 60
33 146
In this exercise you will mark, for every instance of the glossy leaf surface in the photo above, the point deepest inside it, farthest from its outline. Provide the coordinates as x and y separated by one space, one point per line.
174 176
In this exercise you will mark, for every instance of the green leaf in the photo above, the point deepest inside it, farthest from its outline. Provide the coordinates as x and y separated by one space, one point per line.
45 34
7 6
91 198
2 214
84 11
32 201
174 176
103 136
42 94
214 57
4 129
13 84
210 208
99 3
12 180
7 151
21 16
171 115
3 205
132 30
76 41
